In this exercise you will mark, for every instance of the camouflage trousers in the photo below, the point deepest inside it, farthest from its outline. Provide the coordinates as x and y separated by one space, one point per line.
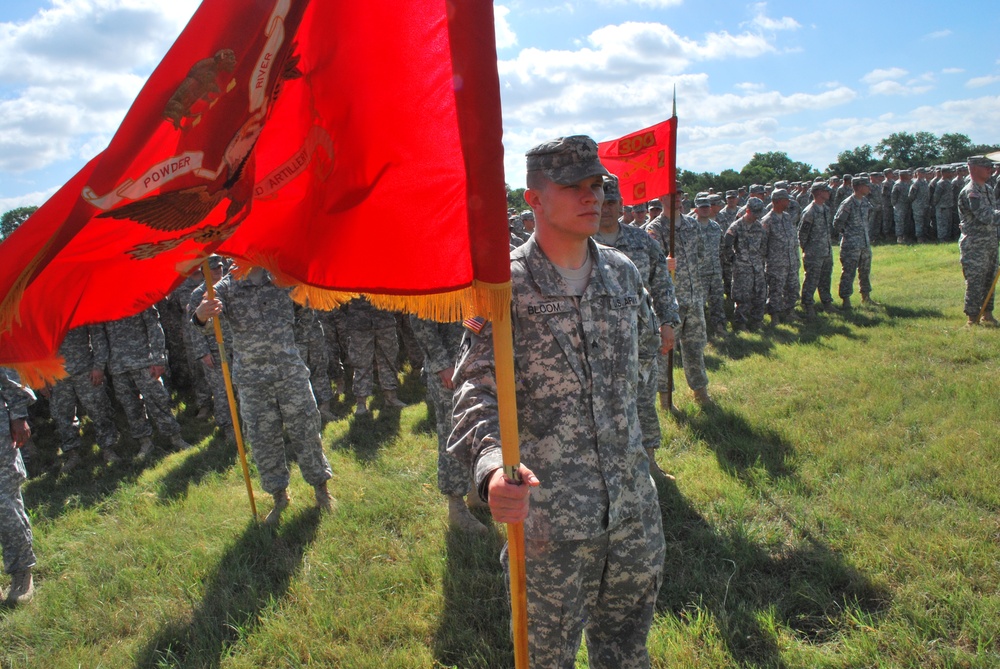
875 227
284 406
649 420
903 220
888 222
716 300
855 261
314 354
782 288
818 276
154 401
220 400
691 337
71 397
979 266
919 222
15 528
749 294
335 332
942 219
454 478
369 350
200 383
604 587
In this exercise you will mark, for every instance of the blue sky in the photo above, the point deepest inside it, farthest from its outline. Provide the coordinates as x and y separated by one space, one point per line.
809 79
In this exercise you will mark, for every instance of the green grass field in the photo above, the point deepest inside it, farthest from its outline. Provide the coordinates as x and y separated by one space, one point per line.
839 508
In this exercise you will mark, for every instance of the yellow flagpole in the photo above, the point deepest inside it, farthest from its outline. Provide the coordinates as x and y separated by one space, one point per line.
503 356
229 389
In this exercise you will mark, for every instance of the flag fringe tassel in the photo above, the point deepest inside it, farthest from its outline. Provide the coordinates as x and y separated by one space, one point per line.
489 300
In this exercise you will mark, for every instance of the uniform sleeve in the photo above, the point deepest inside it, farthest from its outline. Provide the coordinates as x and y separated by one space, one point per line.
15 396
840 218
99 344
806 227
661 286
157 340
475 435
436 356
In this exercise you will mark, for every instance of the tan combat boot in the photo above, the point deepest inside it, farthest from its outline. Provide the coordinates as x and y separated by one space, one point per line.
460 517
146 448
702 397
178 443
362 408
325 413
324 500
390 400
22 588
281 501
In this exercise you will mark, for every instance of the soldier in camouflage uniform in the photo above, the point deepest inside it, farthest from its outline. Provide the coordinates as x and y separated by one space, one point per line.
205 349
15 527
725 218
440 343
888 218
273 381
781 259
711 269
690 257
744 242
184 372
648 258
875 196
373 345
335 330
594 547
137 359
311 341
901 205
979 218
817 255
920 199
943 203
852 223
85 352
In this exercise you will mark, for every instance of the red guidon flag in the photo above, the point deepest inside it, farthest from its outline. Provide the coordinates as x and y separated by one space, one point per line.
348 147
644 161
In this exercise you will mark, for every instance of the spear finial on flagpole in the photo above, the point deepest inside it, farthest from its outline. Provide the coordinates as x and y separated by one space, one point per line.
674 114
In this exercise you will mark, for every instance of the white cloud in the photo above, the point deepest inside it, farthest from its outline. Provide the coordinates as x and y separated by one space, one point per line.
760 20
938 34
979 82
897 88
880 75
952 70
80 65
504 34
750 87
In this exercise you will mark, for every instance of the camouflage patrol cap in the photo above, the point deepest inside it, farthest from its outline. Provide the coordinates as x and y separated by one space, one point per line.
743 188
731 193
779 194
979 161
656 204
639 207
527 215
756 188
216 261
781 184
848 177
612 192
820 186
905 173
715 198
861 181
755 204
566 160
887 171
702 201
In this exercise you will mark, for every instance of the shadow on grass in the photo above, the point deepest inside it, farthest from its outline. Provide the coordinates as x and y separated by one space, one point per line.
738 445
368 433
217 457
253 573
808 588
896 312
474 630
50 496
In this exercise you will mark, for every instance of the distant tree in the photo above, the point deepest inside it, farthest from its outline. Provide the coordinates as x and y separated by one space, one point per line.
926 149
13 218
515 198
773 166
852 161
897 149
955 147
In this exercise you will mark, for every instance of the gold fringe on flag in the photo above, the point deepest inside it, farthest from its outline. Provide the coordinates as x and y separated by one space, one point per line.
39 373
489 300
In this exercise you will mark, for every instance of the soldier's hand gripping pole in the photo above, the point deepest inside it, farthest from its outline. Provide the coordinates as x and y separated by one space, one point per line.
210 292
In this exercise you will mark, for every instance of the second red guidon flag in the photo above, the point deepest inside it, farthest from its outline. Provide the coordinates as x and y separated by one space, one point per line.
643 161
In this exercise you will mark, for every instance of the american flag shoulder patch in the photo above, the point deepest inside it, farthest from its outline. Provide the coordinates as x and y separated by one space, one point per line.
474 324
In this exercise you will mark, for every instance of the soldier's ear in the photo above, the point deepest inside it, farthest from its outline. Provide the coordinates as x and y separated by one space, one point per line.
532 198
